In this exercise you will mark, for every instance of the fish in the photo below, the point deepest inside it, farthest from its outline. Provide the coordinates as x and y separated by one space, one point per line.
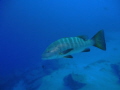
66 47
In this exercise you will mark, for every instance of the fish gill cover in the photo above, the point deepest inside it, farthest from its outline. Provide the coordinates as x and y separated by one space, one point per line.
27 27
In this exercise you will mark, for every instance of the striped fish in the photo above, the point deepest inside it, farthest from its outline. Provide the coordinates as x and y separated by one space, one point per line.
65 47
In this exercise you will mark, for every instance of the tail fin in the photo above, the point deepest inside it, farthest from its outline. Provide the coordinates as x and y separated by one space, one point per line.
99 40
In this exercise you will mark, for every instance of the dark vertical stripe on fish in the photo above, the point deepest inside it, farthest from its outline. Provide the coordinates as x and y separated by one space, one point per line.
71 42
61 44
81 42
68 43
77 44
65 43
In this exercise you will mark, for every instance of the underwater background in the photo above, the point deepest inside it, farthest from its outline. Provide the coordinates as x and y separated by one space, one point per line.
27 27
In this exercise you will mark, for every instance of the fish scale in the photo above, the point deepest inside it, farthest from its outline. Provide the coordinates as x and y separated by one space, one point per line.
72 42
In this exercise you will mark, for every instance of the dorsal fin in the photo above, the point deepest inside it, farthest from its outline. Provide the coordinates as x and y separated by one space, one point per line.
83 37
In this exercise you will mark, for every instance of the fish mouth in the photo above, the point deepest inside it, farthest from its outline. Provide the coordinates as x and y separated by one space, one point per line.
48 56
45 57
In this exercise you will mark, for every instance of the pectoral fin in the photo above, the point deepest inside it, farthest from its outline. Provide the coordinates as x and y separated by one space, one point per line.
68 56
66 51
86 50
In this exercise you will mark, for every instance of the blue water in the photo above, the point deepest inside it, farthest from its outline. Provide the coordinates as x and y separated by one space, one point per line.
27 27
